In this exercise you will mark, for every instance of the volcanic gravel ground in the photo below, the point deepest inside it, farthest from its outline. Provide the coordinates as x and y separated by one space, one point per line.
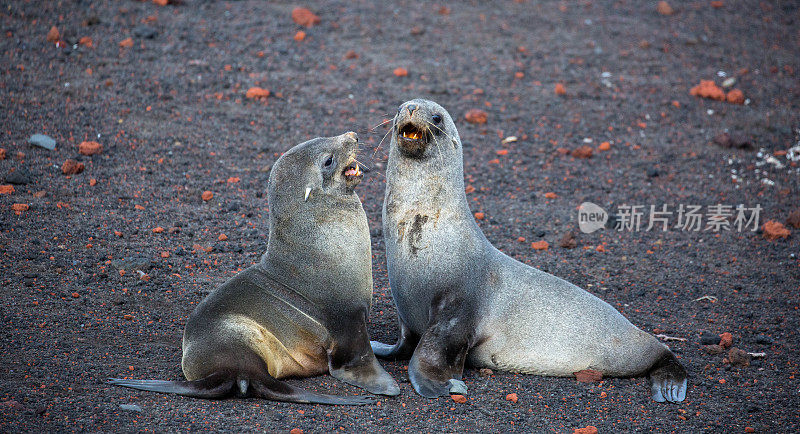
169 107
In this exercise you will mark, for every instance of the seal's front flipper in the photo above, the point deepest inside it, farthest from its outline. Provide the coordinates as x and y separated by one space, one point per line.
368 375
668 380
350 358
436 367
401 350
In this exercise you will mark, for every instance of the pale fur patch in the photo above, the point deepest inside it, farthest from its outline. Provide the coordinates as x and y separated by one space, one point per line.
306 358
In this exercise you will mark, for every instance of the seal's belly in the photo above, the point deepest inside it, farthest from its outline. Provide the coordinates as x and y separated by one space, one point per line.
297 353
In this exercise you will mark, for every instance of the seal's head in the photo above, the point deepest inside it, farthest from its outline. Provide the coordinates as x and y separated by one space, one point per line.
422 125
324 168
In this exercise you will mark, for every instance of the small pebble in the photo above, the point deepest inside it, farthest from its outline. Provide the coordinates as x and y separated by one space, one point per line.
42 141
709 339
145 32
131 407
712 349
20 176
764 340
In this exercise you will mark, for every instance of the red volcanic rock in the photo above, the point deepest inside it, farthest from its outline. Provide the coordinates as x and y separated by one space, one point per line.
540 245
72 167
560 89
304 17
568 241
774 230
708 89
794 219
725 340
459 398
738 358
476 116
400 72
53 35
257 93
512 397
735 97
582 152
664 8
90 148
19 208
588 376
588 430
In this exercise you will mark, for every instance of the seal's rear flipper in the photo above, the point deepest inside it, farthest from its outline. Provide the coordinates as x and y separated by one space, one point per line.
211 387
668 378
218 385
401 350
276 390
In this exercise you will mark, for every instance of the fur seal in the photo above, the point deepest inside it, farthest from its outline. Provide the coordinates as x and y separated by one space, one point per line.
460 300
302 310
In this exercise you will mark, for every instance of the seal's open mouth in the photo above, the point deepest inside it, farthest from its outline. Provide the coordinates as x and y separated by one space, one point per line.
410 131
412 139
352 172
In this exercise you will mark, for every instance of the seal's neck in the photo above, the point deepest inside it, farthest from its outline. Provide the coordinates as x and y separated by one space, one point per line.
325 248
437 180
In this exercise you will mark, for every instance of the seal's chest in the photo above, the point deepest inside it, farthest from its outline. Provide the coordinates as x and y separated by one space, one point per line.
415 229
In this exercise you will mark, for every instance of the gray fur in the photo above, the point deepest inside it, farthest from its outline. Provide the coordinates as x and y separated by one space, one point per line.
517 318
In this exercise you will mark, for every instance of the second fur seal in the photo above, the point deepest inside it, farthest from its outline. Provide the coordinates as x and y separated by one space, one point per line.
460 300
303 309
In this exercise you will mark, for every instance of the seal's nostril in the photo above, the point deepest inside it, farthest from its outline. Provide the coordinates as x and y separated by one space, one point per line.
352 136
411 108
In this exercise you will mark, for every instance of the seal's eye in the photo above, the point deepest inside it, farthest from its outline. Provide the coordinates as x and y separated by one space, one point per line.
436 119
329 161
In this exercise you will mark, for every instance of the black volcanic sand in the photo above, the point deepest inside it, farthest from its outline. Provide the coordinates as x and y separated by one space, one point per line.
172 116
